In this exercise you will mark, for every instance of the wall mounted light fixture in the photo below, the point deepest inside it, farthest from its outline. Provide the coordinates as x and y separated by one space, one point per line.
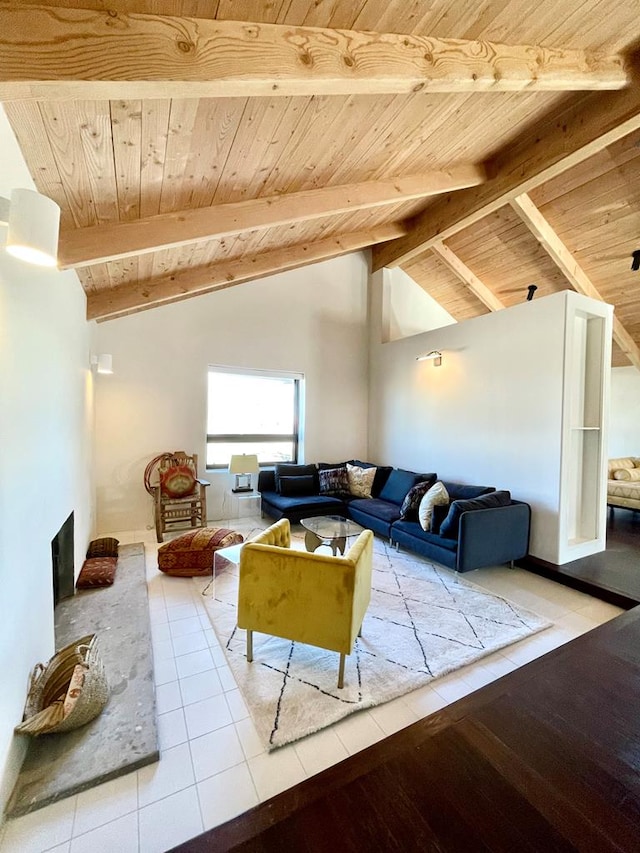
434 356
103 363
32 221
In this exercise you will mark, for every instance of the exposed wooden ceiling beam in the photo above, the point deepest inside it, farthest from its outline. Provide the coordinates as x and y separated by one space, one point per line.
126 299
467 277
571 269
577 134
82 247
59 53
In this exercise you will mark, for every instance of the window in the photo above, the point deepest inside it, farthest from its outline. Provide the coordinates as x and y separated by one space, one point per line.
252 411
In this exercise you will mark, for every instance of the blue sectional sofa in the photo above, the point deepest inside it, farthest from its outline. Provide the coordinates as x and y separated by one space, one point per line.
479 527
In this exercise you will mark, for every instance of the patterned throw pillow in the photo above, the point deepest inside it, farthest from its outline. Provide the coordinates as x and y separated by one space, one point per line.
334 481
107 546
360 480
178 481
437 494
409 508
97 571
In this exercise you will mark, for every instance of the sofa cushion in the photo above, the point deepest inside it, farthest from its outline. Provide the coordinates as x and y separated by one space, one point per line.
620 463
627 474
411 502
413 528
450 526
398 484
333 481
440 512
377 508
360 480
460 491
297 486
436 495
308 504
287 470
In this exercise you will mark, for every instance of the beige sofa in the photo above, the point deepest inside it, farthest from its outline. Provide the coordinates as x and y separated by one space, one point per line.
623 485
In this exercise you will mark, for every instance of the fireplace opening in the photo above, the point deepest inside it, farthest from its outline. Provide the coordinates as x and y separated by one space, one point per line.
62 548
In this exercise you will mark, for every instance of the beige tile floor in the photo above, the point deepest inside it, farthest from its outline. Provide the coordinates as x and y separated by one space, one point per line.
212 765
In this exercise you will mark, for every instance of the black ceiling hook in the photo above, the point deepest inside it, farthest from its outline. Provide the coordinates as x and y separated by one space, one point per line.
530 291
635 263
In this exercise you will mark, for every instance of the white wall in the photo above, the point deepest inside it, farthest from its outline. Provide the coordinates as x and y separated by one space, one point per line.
624 427
312 321
490 415
45 423
407 308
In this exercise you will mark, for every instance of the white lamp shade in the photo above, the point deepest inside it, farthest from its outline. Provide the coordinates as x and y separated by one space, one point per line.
34 222
244 463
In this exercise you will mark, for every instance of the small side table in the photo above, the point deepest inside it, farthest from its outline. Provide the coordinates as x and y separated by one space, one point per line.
231 554
236 501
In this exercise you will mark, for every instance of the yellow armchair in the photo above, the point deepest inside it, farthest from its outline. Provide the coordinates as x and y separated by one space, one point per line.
318 599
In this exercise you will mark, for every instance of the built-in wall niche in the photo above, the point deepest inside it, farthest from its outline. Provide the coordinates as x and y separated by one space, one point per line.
62 561
586 355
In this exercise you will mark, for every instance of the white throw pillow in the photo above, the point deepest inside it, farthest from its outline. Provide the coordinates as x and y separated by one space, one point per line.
436 496
360 480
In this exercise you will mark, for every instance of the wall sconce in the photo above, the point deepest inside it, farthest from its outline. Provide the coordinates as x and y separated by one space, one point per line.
243 466
33 222
434 356
102 363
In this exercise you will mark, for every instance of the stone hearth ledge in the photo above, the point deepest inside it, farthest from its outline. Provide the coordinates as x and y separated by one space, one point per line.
125 735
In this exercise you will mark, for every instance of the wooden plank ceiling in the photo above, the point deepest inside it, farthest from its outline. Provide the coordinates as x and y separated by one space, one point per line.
480 169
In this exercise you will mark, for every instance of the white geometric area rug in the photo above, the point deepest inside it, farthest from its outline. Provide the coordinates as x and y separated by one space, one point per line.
422 623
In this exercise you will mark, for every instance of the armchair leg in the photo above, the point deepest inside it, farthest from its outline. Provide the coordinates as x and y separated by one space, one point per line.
341 673
249 645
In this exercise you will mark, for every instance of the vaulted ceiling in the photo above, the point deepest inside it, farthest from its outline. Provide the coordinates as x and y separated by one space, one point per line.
195 145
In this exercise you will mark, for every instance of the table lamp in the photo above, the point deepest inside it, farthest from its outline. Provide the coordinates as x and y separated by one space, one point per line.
243 466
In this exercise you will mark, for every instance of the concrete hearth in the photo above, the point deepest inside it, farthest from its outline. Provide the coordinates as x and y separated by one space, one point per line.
124 736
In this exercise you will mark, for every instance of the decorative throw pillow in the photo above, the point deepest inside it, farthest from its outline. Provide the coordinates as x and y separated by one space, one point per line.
334 481
450 526
97 571
104 547
437 494
360 480
178 481
627 474
411 503
294 487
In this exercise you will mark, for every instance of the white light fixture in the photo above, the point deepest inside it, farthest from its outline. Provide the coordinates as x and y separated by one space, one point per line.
434 356
243 466
103 363
33 222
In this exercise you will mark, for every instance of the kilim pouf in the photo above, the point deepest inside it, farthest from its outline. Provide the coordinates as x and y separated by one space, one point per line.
191 554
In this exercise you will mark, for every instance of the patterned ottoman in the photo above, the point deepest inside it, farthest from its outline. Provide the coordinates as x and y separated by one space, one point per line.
191 555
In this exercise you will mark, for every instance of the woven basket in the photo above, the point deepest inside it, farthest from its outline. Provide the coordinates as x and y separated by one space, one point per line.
48 685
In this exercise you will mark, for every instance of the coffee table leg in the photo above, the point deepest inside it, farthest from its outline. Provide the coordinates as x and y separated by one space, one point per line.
311 541
338 545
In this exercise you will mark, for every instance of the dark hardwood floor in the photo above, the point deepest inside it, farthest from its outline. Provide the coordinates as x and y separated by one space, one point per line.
614 574
546 758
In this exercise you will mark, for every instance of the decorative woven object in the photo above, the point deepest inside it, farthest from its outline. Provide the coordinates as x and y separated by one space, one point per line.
68 692
191 555
107 546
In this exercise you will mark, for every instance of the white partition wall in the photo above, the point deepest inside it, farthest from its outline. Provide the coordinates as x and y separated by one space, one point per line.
502 410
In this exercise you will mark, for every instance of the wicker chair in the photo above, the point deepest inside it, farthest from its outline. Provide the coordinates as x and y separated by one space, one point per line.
179 496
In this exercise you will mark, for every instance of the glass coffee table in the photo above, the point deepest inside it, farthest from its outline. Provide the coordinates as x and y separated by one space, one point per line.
331 530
